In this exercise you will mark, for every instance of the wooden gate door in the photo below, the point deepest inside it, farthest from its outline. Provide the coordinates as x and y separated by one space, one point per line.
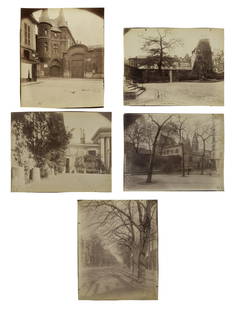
77 68
55 71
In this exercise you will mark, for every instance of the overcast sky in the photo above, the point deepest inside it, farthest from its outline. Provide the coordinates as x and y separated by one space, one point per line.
90 121
134 39
86 27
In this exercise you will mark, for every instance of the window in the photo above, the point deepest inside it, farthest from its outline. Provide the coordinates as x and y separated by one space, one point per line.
27 33
46 32
45 47
26 54
55 48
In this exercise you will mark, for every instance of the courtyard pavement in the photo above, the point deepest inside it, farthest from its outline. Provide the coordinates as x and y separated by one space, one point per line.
70 183
181 93
62 93
164 182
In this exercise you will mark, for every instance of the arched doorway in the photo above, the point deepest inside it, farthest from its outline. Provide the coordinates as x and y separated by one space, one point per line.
76 57
55 69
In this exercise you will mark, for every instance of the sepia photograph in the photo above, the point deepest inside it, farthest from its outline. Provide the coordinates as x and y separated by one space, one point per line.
62 57
61 152
117 249
173 152
174 66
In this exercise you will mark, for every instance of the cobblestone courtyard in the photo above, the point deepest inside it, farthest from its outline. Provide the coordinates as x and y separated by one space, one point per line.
181 93
62 93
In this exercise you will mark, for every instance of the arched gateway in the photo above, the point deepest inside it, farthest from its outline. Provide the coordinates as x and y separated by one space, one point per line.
55 68
75 61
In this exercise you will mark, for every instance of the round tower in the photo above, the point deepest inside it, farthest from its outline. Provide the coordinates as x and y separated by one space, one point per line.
61 19
43 39
62 24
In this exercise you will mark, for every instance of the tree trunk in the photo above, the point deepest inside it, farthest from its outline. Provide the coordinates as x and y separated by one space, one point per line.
133 261
150 170
141 272
144 242
203 157
161 58
153 153
202 165
183 162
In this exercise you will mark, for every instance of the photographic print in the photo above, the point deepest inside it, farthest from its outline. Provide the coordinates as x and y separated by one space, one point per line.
61 151
173 152
117 249
174 66
62 57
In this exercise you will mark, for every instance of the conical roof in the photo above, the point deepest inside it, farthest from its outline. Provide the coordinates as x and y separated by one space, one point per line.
44 17
61 19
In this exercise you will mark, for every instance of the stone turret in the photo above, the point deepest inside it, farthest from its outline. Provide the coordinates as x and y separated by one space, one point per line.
43 39
44 17
61 19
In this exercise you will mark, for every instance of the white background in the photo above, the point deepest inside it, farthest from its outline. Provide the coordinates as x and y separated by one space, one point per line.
197 230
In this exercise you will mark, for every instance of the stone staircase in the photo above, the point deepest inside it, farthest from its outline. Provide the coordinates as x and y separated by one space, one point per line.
132 90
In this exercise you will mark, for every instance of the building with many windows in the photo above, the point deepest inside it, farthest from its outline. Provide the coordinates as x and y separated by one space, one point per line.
28 48
49 45
59 53
90 157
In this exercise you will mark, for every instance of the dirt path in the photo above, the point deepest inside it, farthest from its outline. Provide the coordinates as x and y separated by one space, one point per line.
114 283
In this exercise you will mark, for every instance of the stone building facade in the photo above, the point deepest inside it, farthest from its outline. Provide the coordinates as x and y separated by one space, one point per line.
59 53
28 48
169 157
98 148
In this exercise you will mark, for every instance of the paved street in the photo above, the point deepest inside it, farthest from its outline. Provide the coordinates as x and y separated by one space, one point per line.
173 182
114 282
71 183
181 93
62 93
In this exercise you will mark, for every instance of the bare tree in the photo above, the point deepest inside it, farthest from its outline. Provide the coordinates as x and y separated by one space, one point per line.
158 126
135 134
127 226
159 47
204 133
180 130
